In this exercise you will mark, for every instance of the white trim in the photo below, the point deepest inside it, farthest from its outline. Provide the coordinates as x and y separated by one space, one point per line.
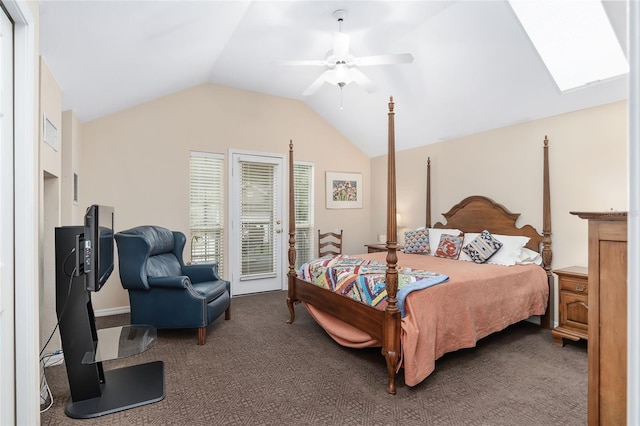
112 311
633 272
7 277
27 396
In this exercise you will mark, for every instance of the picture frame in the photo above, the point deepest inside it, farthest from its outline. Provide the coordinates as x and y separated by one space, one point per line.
344 190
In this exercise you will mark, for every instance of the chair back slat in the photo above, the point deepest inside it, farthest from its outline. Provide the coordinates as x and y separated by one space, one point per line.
329 243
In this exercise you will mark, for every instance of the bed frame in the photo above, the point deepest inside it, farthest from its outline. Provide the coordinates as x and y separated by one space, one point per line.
473 214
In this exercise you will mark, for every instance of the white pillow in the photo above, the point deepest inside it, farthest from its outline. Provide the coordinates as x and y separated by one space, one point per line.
511 248
528 257
436 233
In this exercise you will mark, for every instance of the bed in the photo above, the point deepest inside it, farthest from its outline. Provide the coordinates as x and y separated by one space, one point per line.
474 301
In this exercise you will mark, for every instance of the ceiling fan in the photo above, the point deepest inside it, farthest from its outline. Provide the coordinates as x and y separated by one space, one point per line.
342 65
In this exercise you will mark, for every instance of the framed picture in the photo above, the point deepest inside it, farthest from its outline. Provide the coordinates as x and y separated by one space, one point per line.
344 190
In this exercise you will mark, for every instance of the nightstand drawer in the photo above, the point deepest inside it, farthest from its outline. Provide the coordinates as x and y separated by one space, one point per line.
573 284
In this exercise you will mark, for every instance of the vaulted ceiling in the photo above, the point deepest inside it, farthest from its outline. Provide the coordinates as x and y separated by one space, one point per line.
474 67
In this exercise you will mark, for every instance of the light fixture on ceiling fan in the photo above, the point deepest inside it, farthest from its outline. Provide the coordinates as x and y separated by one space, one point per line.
343 65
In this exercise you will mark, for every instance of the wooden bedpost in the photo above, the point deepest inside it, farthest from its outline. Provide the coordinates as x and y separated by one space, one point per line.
428 216
547 254
391 330
292 239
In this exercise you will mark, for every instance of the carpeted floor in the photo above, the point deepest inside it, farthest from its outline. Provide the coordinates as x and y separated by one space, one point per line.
257 370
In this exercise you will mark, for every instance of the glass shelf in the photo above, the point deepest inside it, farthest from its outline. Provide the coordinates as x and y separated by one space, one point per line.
121 342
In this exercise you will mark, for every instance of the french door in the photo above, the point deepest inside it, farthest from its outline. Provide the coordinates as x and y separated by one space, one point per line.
256 221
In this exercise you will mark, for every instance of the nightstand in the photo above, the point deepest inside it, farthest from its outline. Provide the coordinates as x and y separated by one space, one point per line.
573 306
376 247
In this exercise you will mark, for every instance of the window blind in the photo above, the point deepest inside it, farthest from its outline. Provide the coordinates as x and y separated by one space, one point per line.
207 208
303 197
257 221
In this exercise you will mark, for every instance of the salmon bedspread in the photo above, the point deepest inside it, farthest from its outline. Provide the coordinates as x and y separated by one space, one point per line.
477 300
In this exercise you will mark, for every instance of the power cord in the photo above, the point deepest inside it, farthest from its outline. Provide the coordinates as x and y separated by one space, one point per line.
46 357
44 362
64 306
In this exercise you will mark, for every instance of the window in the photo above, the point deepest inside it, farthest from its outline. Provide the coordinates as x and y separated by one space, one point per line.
574 39
303 197
257 219
207 208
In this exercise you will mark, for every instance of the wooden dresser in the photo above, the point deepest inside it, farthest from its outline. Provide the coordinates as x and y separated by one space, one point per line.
573 306
607 317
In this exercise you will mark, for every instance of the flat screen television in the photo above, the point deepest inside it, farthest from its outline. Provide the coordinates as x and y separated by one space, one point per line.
97 246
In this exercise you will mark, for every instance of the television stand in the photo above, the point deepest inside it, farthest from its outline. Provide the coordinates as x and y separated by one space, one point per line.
123 388
94 391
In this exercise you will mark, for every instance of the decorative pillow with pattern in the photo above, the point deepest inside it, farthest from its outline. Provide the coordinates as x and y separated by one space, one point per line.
416 241
481 248
450 246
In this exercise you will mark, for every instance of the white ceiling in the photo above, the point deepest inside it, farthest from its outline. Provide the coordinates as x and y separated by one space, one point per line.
474 67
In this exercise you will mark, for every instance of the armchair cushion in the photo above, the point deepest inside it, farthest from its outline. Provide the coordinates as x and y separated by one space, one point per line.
211 290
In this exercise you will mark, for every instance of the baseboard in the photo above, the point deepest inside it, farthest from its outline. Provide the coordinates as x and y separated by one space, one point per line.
112 311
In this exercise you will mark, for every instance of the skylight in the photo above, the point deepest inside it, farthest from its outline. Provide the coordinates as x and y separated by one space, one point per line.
575 40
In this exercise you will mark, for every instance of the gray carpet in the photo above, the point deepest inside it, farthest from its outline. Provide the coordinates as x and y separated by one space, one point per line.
257 370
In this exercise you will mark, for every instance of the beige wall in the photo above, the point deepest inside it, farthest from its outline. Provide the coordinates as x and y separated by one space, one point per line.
71 212
137 160
588 172
50 202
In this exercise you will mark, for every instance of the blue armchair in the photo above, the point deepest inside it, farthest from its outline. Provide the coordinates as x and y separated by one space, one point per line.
163 291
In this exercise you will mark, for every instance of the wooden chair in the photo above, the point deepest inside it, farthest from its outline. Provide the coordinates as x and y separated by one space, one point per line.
329 243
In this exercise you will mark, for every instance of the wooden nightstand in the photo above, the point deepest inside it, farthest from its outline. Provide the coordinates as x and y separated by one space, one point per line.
573 306
376 247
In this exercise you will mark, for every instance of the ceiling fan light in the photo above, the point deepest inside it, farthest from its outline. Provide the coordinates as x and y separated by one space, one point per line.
342 73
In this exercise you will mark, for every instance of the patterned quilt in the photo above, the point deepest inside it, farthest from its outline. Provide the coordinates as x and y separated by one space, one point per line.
364 280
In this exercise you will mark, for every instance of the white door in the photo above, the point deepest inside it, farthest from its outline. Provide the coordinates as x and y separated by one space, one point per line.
256 220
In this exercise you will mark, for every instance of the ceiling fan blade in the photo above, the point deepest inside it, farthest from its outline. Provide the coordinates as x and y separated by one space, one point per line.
397 58
321 62
361 80
340 44
316 84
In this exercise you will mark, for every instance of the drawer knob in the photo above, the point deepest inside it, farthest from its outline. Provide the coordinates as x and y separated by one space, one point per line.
580 287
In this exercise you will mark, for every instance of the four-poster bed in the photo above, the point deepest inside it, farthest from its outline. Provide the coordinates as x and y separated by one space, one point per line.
529 284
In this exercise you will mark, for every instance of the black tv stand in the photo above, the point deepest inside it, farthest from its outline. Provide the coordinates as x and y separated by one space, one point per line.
94 391
123 388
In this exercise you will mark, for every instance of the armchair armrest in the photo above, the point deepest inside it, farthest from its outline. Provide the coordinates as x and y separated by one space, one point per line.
200 272
168 282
